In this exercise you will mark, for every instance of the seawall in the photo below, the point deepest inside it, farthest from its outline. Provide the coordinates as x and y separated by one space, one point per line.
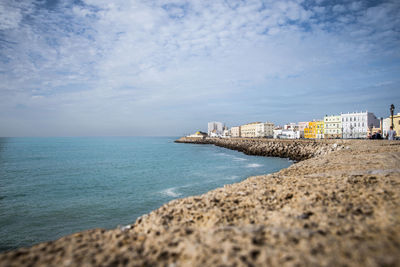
293 149
338 206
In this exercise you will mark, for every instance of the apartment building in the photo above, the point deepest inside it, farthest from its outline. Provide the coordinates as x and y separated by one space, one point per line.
333 126
249 130
236 131
356 124
265 129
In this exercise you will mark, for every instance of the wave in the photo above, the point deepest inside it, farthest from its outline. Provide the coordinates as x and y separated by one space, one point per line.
170 192
239 159
253 165
233 177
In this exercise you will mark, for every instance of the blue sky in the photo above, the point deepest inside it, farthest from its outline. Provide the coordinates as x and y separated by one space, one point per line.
100 67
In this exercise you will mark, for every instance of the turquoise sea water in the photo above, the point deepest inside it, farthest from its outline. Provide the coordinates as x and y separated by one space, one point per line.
51 187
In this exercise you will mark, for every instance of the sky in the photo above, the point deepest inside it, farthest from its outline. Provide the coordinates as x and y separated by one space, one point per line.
167 67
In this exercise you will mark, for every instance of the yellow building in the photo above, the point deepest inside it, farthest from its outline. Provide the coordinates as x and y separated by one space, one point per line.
319 129
388 122
311 130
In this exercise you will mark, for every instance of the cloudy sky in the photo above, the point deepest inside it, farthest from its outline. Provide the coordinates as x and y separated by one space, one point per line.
167 67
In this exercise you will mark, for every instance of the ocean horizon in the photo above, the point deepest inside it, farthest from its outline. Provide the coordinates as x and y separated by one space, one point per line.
54 186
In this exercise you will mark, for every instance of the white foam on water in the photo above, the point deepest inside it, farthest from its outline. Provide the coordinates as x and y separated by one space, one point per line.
253 165
233 177
170 192
239 159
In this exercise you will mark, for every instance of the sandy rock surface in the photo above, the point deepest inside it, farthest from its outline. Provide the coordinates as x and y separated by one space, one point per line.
339 208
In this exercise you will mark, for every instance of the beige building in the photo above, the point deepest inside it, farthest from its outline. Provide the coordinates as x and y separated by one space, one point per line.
236 131
388 122
333 126
249 130
265 129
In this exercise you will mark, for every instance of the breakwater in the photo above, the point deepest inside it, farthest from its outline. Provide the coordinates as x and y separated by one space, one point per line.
293 149
338 208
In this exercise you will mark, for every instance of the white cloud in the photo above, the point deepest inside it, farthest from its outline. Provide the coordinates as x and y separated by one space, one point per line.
105 59
10 17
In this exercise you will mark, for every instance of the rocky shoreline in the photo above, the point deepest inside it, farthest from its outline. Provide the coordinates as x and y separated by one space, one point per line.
338 206
292 149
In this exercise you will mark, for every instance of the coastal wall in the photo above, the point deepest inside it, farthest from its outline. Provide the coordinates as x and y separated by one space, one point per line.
339 208
292 149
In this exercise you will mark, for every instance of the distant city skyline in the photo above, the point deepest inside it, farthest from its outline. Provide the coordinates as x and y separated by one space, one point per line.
168 67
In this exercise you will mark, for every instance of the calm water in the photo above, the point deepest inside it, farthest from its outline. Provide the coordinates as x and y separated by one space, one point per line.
51 187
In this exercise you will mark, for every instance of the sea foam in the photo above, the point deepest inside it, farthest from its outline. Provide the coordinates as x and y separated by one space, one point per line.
170 192
253 165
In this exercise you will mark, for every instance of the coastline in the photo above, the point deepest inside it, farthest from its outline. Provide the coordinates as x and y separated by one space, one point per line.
338 205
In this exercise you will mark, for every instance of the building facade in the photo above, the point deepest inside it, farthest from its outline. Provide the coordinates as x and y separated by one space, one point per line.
302 125
249 130
198 134
311 130
319 129
356 124
388 122
286 134
265 129
333 126
235 131
215 128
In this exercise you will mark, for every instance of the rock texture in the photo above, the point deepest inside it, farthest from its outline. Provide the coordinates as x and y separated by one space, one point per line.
339 208
293 149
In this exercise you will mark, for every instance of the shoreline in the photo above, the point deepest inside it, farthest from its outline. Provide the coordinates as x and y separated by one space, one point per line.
338 205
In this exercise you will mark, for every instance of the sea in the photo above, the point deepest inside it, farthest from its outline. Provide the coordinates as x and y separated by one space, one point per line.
52 187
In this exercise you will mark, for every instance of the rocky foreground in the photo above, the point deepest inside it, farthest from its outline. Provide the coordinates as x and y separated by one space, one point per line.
338 206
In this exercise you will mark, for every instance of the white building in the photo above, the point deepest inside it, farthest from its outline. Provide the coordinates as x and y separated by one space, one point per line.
215 129
291 126
265 129
198 134
226 133
386 123
286 134
356 124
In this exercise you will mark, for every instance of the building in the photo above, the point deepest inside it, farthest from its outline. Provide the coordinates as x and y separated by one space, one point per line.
388 122
249 130
286 134
320 129
311 130
356 124
198 134
302 125
265 129
215 129
236 131
226 133
333 126
396 123
291 126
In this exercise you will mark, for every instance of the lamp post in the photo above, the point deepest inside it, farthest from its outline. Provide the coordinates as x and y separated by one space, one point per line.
391 113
